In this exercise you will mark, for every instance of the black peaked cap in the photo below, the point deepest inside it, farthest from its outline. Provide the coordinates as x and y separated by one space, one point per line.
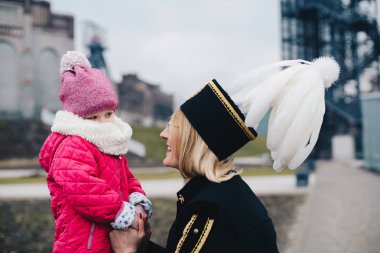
218 120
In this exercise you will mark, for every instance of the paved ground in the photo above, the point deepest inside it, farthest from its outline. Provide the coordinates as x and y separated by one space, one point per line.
167 188
342 212
17 173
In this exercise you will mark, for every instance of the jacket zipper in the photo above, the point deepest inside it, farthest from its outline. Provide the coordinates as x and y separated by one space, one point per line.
91 236
119 166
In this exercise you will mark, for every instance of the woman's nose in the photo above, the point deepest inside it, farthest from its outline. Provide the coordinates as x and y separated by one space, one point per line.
164 134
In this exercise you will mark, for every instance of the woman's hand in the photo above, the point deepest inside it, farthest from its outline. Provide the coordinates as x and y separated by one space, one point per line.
144 216
145 241
131 240
140 209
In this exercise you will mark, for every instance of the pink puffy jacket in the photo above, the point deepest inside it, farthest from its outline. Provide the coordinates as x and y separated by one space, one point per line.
87 190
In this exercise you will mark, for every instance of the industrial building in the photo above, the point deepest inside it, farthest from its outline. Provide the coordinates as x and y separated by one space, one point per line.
32 40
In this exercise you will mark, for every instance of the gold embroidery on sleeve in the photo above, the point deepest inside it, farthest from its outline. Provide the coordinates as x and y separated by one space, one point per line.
204 235
186 232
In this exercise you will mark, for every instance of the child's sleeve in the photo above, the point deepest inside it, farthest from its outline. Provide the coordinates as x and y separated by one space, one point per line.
136 193
74 172
125 217
137 198
133 184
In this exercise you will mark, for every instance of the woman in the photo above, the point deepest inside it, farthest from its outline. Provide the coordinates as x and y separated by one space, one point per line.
216 210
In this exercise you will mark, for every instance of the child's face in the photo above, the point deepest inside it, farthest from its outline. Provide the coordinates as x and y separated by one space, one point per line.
103 116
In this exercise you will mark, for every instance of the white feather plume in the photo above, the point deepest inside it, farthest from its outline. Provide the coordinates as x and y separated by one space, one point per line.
248 81
296 97
258 101
71 59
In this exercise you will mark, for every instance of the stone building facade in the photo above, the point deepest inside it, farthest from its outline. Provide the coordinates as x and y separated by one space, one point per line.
143 103
32 40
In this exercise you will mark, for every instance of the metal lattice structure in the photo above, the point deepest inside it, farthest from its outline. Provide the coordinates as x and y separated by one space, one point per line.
94 39
348 31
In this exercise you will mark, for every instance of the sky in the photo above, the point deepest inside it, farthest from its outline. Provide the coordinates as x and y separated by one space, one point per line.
180 45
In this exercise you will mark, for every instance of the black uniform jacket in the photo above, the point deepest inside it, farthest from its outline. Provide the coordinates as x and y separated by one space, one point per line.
219 217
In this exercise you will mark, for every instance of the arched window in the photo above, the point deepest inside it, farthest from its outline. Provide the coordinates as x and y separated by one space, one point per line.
9 81
47 80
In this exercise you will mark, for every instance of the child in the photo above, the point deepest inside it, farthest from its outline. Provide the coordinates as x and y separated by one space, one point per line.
91 187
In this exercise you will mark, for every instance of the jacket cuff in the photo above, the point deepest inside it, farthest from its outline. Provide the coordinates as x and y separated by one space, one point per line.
125 219
137 198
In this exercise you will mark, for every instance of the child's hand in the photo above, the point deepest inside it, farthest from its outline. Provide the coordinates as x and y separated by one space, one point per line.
132 239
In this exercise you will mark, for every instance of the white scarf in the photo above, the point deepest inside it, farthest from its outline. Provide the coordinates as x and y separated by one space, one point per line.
110 137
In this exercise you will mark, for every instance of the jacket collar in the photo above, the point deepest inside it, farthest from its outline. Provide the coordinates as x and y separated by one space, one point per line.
190 189
110 138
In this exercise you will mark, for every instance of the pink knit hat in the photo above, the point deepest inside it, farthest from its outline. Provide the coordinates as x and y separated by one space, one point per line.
84 90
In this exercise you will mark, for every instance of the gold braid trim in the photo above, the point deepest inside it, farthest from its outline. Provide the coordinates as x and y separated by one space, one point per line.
204 235
185 232
231 110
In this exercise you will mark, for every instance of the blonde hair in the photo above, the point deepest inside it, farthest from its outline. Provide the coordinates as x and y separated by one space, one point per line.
194 156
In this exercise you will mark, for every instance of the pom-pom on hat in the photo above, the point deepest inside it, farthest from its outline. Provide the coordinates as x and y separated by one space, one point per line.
84 90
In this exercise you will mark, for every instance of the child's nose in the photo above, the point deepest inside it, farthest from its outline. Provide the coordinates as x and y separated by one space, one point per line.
102 119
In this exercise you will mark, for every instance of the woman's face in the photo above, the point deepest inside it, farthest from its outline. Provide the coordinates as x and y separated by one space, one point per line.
171 159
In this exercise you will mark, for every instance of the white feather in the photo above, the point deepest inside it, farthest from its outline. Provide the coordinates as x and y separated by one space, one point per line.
260 99
274 155
287 107
298 133
258 75
257 109
303 123
304 151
